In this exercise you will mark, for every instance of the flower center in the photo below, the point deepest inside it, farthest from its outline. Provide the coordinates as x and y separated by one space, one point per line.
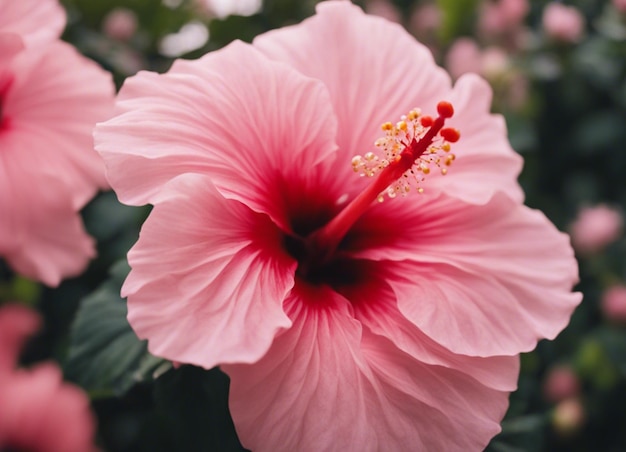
410 150
5 84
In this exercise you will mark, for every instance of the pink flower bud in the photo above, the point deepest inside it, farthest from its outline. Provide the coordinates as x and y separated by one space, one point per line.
561 383
491 20
568 417
463 56
383 8
595 228
620 5
514 11
614 303
494 62
497 18
120 23
563 23
425 19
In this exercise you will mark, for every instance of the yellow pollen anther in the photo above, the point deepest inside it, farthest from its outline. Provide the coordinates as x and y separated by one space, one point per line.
417 143
400 162
413 115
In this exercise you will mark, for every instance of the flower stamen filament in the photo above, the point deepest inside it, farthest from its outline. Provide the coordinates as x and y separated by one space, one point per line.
409 150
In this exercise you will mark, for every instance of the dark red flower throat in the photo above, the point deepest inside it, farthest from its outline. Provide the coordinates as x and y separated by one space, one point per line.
411 148
5 85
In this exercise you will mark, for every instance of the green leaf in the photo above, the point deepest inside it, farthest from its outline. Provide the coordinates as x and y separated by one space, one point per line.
593 360
105 356
20 289
455 17
519 434
613 342
194 402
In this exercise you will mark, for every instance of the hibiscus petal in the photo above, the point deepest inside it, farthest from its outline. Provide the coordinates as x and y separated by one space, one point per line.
10 45
41 234
16 324
214 266
37 21
256 127
485 162
36 409
375 73
327 385
376 307
54 101
296 396
451 410
480 280
374 70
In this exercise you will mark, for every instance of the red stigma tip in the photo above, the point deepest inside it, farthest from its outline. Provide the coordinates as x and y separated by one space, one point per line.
427 121
450 135
445 109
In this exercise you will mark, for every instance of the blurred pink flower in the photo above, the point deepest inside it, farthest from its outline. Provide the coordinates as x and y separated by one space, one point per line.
620 5
514 11
35 21
38 412
426 19
614 303
16 324
563 23
384 9
424 23
568 417
463 57
501 16
494 62
596 227
120 23
343 323
490 21
561 383
50 99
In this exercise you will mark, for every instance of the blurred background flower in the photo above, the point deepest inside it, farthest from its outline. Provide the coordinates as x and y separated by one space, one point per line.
38 411
50 97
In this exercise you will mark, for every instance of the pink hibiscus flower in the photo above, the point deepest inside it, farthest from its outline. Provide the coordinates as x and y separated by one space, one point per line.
343 323
36 21
50 99
38 411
